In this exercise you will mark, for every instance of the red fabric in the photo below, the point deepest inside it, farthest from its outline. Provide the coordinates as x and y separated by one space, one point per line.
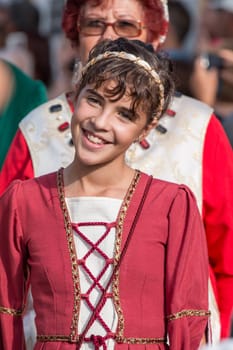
18 163
164 269
218 216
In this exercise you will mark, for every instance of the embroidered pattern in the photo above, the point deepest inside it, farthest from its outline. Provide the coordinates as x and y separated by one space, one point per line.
188 313
51 338
73 257
140 340
12 312
119 230
119 340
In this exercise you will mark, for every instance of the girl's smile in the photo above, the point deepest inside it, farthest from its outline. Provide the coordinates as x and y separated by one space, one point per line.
93 139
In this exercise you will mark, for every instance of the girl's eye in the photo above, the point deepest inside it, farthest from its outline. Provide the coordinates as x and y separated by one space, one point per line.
93 99
126 114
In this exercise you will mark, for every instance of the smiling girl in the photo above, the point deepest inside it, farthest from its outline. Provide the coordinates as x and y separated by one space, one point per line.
115 258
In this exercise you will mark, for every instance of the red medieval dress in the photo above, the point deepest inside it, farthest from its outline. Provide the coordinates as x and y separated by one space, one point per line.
217 202
160 291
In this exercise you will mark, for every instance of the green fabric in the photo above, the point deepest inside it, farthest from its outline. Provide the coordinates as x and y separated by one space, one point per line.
27 95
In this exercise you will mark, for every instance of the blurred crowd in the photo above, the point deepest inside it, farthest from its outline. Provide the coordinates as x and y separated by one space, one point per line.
204 70
31 37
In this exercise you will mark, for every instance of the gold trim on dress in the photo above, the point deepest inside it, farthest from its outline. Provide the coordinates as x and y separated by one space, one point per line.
12 312
52 338
73 256
119 340
140 340
119 232
188 313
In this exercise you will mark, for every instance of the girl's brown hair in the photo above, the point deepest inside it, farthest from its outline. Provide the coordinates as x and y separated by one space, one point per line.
129 77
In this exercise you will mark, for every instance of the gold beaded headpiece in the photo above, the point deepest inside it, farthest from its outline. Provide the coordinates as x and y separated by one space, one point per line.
136 60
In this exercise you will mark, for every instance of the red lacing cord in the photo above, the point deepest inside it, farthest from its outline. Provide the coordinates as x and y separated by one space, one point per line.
96 280
99 305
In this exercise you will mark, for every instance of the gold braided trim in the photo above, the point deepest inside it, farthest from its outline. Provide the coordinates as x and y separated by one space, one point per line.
54 338
188 313
12 312
119 232
136 60
73 256
119 340
140 340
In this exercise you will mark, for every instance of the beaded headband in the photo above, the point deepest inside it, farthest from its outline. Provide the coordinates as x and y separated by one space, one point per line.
136 60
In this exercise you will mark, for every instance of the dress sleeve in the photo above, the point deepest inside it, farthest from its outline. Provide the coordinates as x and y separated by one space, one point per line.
186 274
218 216
18 163
13 272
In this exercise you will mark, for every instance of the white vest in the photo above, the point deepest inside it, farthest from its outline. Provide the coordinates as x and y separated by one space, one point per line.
49 147
175 153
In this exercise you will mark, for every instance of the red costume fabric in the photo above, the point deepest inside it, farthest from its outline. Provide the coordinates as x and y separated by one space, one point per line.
155 290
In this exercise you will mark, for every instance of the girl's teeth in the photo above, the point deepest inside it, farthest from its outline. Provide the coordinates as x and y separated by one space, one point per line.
94 139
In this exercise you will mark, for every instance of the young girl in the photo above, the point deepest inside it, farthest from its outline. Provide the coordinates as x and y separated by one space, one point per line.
115 258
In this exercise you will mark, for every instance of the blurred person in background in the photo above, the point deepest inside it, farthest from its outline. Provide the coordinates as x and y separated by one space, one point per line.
19 93
187 146
216 41
25 19
205 72
14 45
180 25
66 56
4 25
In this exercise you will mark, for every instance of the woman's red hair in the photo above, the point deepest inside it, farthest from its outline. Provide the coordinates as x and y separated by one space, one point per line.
154 17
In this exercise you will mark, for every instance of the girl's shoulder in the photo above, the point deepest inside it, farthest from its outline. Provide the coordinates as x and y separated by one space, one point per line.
28 189
167 190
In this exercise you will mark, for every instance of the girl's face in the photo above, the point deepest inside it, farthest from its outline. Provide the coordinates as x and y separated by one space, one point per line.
103 129
109 11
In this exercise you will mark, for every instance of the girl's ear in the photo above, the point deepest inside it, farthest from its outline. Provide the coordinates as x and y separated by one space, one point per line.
147 129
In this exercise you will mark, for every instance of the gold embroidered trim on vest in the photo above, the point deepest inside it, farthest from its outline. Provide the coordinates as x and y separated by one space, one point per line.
119 230
12 312
73 256
185 313
140 340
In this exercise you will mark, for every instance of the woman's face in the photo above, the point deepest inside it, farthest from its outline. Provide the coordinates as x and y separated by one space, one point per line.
109 11
103 129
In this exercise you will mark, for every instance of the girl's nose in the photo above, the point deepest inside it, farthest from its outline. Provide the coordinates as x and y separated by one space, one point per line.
102 121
